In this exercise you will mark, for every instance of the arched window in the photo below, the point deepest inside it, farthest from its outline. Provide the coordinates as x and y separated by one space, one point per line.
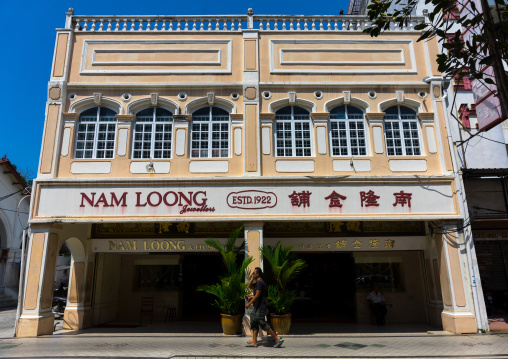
95 137
292 132
210 133
153 134
401 132
347 131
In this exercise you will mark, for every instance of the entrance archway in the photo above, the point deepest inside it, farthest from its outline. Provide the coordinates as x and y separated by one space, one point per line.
74 314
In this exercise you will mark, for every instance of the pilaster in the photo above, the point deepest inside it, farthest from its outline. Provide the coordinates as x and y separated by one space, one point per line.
251 102
458 314
37 317
253 242
124 127
181 128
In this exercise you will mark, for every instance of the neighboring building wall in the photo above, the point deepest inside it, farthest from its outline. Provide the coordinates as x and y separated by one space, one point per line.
13 220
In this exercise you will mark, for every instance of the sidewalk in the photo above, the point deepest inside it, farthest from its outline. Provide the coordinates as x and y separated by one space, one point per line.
145 342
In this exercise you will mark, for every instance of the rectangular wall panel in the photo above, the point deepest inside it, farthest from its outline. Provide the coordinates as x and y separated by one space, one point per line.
251 138
34 271
48 149
341 56
60 55
129 56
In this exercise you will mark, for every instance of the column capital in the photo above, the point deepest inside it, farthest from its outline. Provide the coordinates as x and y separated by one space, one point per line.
70 116
267 117
426 117
375 117
320 117
182 118
125 118
253 224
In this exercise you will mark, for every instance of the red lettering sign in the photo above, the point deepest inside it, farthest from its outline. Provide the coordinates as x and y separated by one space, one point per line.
251 199
190 201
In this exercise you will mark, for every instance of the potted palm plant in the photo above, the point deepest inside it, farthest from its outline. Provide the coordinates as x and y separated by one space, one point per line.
231 288
285 267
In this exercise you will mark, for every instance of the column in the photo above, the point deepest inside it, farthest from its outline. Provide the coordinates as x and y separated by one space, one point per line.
251 102
435 298
124 126
253 241
458 314
36 316
74 316
320 121
375 122
181 128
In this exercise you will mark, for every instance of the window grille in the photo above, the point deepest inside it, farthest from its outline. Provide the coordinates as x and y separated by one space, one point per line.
95 137
401 132
210 133
292 132
153 134
347 131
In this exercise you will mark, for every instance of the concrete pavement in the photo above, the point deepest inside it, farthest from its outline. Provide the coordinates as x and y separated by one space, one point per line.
218 346
156 342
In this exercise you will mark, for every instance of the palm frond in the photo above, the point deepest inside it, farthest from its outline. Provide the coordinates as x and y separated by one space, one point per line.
285 267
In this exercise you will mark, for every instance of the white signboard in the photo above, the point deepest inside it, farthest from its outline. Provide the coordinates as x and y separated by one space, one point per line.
198 201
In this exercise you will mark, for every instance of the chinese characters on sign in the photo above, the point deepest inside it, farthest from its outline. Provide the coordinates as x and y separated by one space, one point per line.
367 199
335 199
300 198
350 244
402 199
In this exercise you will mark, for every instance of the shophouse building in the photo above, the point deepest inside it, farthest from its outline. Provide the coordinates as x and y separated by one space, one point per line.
162 131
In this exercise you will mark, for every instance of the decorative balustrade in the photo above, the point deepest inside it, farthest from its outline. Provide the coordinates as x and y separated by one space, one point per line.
229 23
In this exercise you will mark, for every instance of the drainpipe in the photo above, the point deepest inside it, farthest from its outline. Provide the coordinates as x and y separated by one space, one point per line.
473 270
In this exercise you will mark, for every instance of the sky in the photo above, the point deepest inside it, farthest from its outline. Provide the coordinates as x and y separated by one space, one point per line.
28 34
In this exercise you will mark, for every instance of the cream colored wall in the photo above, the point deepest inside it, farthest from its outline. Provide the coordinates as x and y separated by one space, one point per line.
324 163
85 85
351 76
120 165
106 295
163 79
409 306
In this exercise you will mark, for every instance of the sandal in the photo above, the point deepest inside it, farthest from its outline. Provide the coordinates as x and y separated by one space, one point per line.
278 345
250 345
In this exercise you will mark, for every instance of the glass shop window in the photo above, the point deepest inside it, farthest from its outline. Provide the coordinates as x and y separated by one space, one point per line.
157 278
387 272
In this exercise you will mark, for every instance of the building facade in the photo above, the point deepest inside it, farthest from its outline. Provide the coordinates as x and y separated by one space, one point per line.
163 131
14 208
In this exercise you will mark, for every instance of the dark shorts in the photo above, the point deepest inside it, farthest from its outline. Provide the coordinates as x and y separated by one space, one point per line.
257 319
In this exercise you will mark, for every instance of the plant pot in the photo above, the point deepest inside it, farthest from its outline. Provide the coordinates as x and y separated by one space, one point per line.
281 322
231 324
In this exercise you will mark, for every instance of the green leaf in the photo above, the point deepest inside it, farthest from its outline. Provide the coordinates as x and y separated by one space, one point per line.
489 59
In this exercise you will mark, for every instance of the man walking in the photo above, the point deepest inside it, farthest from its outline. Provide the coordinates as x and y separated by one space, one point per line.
257 317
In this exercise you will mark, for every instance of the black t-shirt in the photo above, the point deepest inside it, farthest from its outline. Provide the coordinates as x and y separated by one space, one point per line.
260 303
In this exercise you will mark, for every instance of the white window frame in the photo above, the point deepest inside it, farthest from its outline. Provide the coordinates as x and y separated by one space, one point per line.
97 123
292 122
154 124
210 132
401 121
348 138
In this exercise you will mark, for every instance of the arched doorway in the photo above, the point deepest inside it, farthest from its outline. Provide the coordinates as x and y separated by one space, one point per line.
70 284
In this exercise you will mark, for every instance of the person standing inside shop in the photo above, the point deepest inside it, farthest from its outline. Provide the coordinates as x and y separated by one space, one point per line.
377 304
257 317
